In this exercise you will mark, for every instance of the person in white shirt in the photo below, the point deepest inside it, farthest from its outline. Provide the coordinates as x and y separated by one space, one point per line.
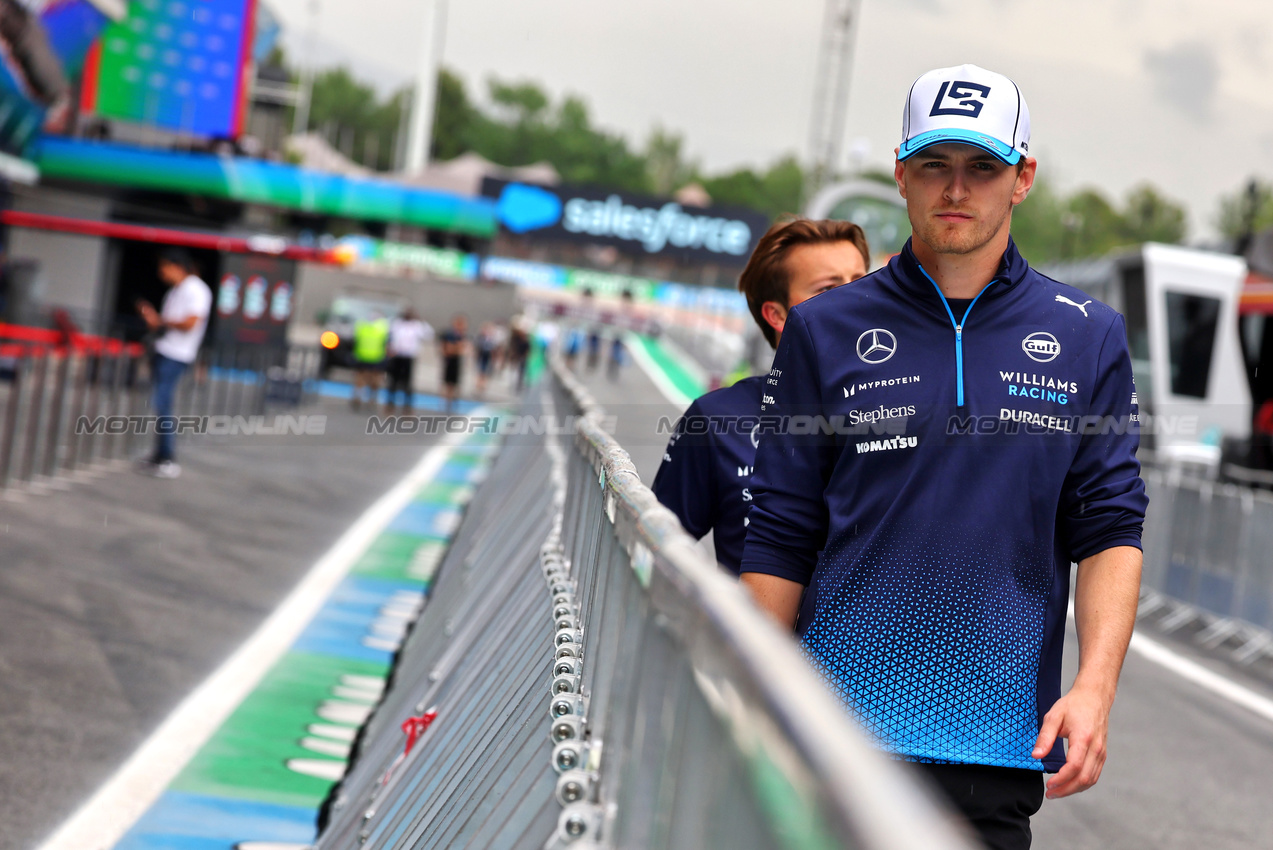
182 319
406 334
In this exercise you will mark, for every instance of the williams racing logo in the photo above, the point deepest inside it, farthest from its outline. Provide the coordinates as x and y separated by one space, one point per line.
867 446
1038 387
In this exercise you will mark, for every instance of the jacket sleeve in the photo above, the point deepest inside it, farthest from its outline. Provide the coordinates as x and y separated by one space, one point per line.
787 524
1103 500
686 480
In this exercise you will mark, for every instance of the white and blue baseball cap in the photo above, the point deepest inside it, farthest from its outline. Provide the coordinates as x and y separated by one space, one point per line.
968 105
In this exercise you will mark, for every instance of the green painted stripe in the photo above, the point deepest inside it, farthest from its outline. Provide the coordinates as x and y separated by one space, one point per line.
678 375
442 493
391 554
247 757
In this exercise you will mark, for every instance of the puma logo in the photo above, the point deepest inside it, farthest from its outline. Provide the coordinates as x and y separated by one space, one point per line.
1081 307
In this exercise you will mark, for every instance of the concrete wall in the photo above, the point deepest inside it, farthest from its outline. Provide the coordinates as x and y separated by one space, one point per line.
435 300
69 269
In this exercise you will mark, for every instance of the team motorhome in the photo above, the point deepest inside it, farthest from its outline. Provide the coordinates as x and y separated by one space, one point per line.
1196 344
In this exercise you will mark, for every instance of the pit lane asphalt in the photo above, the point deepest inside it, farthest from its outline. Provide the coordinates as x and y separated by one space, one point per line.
121 593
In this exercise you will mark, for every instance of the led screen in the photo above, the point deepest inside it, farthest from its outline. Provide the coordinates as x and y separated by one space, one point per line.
177 64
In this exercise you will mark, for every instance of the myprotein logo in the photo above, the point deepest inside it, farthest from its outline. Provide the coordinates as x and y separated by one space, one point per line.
854 388
1041 347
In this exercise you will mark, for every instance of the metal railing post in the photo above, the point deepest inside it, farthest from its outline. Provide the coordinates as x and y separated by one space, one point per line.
57 426
35 415
12 418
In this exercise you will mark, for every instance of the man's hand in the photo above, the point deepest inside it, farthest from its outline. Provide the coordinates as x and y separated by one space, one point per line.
1082 718
149 315
1105 595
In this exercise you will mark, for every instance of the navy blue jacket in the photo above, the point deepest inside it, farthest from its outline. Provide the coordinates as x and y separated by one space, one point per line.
970 459
706 469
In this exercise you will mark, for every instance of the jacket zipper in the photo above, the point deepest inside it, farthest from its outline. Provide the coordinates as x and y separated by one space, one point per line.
959 332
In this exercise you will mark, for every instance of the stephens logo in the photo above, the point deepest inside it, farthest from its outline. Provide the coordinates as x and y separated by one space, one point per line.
1041 347
876 346
879 414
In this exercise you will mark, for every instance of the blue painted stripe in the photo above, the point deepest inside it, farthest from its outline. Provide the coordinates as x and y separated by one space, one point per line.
339 627
184 821
426 519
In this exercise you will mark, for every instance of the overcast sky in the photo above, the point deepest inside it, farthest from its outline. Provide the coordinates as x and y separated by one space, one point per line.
1176 92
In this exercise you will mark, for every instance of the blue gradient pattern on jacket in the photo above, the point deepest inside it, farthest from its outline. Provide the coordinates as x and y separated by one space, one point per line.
936 537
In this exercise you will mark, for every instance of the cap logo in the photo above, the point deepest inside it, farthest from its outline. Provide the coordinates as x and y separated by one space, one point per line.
962 97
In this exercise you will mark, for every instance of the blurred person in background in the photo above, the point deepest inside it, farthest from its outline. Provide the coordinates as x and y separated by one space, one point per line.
572 346
594 347
519 349
618 354
181 319
371 347
935 535
706 471
407 333
486 347
454 344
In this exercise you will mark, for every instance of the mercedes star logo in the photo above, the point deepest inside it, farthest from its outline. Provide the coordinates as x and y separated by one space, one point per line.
876 345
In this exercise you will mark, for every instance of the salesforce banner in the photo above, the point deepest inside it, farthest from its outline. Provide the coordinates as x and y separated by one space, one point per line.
631 223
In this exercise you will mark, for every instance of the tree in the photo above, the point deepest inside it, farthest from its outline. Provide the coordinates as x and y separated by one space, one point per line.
1247 211
354 119
1049 227
774 191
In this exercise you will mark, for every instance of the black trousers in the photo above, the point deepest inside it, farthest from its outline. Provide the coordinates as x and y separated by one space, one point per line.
399 369
996 801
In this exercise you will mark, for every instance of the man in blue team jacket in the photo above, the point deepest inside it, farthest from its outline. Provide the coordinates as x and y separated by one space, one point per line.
706 471
977 435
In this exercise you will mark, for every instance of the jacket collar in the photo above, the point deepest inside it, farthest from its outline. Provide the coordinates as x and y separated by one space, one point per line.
905 269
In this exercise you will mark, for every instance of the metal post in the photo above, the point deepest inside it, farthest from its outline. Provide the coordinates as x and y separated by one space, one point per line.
116 407
57 413
11 417
35 415
90 445
420 136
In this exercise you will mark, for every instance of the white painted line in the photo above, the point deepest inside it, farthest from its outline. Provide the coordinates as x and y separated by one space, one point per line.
661 381
109 813
1227 689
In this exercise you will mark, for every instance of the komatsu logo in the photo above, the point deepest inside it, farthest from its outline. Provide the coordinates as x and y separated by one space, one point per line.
887 445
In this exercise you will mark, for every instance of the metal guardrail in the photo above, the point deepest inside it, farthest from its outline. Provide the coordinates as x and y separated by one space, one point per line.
63 404
1209 561
579 648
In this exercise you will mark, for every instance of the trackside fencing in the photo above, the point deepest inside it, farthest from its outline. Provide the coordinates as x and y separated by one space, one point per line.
1209 560
583 676
65 398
